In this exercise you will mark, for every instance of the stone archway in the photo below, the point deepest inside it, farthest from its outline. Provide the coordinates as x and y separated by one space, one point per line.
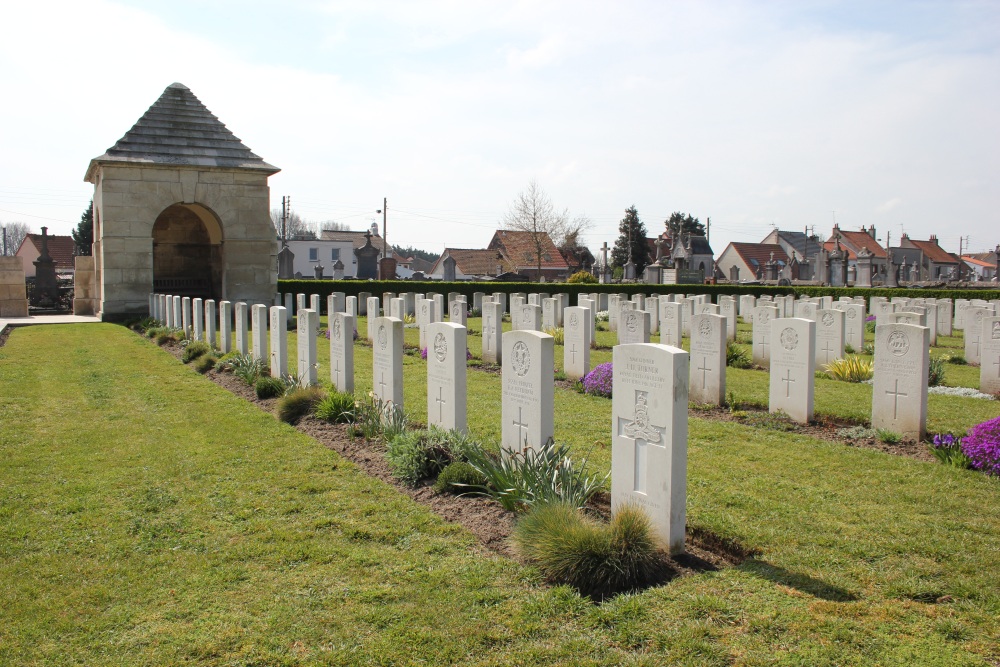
187 252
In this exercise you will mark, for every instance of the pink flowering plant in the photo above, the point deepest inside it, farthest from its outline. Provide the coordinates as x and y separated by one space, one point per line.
598 381
982 445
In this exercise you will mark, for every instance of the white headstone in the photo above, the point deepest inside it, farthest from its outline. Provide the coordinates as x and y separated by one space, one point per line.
653 309
446 376
989 362
210 323
727 308
529 317
633 327
279 342
549 314
576 342
793 367
242 328
306 321
387 361
342 351
762 316
457 312
806 310
829 336
258 337
708 359
671 324
528 390
373 307
314 303
944 318
973 322
649 423
899 386
225 326
198 314
492 330
186 315
854 324
397 308
289 306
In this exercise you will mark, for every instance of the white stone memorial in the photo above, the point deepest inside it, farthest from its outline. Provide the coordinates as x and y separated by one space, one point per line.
633 327
972 320
829 336
899 386
446 376
492 330
793 367
576 342
762 316
279 342
528 390
708 359
342 352
989 362
671 324
258 339
387 361
306 321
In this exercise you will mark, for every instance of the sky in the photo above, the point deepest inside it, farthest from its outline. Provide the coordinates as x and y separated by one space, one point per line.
791 114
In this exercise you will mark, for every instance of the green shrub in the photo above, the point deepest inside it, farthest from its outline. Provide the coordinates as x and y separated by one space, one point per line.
581 277
298 403
246 367
547 474
948 450
204 363
935 372
888 437
269 387
457 475
226 358
167 336
145 324
851 369
194 350
856 433
336 407
849 349
956 359
598 560
737 356
413 456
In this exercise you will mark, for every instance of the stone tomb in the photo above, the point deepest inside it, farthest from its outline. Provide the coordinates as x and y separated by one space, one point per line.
633 327
342 352
708 359
446 376
899 386
528 390
793 367
829 336
989 353
649 424
258 336
576 344
492 330
671 324
762 316
307 322
387 361
279 342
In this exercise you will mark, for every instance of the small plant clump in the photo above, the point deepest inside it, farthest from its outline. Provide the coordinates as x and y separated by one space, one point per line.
457 475
935 372
417 455
599 560
856 433
194 350
581 277
851 369
737 356
982 445
598 381
298 403
888 437
204 363
167 335
557 334
849 349
246 367
955 359
948 450
268 387
336 407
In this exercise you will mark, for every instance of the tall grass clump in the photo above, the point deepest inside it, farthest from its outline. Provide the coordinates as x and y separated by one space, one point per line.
851 369
737 356
518 480
268 387
204 363
336 407
935 372
599 560
247 368
297 403
194 350
558 335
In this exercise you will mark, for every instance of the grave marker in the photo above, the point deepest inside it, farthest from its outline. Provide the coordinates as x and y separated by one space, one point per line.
899 386
258 348
342 352
387 361
306 321
528 390
989 363
492 330
829 336
793 367
576 342
708 359
279 342
446 376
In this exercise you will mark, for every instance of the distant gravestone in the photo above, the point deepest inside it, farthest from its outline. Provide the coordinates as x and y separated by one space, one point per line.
446 376
363 303
307 321
198 319
854 324
387 362
973 323
289 307
747 304
528 396
989 362
613 310
793 367
762 316
259 332
899 385
186 315
727 308
652 308
829 336
314 304
226 327
492 330
300 302
529 318
806 310
671 327
448 266
397 308
336 302
342 352
477 302
649 436
372 308
242 328
708 359
457 312
210 323
409 303
279 342
944 316
576 342
425 309
591 305
548 314
633 327
338 270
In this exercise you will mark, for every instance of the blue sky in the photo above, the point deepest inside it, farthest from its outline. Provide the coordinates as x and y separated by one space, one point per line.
754 114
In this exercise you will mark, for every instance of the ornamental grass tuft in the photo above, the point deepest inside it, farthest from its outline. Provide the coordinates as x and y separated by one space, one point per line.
204 363
737 356
298 403
982 445
194 350
269 387
336 407
599 560
851 369
598 381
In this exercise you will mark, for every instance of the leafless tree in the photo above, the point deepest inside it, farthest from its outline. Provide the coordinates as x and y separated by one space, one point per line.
532 211
334 226
296 229
12 235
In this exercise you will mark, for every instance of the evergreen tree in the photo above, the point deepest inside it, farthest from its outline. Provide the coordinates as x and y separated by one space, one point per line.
83 235
631 227
683 224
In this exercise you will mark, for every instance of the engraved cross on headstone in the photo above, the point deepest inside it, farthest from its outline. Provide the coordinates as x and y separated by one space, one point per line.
788 383
826 351
643 435
997 364
763 345
381 384
490 331
441 402
522 428
895 393
704 372
572 351
336 370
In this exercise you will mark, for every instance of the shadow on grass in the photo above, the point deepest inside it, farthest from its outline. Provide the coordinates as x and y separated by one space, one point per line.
800 582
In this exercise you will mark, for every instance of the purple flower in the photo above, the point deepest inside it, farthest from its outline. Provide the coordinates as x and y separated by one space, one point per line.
870 318
598 381
982 445
423 353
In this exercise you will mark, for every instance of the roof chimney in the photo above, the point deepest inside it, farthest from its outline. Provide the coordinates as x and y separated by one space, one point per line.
934 239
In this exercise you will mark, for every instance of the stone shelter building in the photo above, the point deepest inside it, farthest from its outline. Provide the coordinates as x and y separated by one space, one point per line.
181 206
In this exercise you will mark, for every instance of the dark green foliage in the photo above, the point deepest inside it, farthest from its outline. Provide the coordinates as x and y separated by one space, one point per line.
204 363
737 356
166 336
145 324
83 235
269 387
599 560
457 475
194 350
417 455
682 224
297 403
956 359
888 437
935 372
336 407
246 367
631 242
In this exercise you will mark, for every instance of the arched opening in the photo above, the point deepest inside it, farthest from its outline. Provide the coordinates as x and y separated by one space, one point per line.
187 252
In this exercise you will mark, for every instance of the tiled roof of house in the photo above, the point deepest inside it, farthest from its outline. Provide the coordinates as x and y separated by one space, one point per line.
934 252
858 240
474 261
803 245
179 130
978 262
519 247
62 249
756 255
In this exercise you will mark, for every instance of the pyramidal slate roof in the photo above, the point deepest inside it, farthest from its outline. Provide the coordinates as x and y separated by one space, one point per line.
179 130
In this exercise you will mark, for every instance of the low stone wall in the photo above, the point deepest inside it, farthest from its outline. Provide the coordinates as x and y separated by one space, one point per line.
13 294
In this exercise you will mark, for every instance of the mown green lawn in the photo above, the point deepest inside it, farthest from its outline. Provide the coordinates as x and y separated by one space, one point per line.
149 517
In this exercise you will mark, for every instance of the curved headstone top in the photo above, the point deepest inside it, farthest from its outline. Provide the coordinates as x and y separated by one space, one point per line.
178 130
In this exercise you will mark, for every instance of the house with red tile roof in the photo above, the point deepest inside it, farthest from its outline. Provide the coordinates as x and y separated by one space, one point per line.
980 269
853 242
520 250
936 263
471 264
745 261
62 250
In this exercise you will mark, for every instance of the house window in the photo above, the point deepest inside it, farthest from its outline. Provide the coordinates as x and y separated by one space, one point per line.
313 254
335 254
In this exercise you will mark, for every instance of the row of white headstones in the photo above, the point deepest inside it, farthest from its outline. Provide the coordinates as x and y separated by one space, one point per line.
652 383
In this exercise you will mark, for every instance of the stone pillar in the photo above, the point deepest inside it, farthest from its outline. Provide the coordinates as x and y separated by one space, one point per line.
13 294
85 288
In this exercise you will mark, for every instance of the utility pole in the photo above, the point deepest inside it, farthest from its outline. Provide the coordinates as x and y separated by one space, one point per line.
385 232
961 262
708 230
5 240
286 204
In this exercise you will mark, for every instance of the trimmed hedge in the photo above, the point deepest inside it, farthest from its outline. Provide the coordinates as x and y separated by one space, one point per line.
376 287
